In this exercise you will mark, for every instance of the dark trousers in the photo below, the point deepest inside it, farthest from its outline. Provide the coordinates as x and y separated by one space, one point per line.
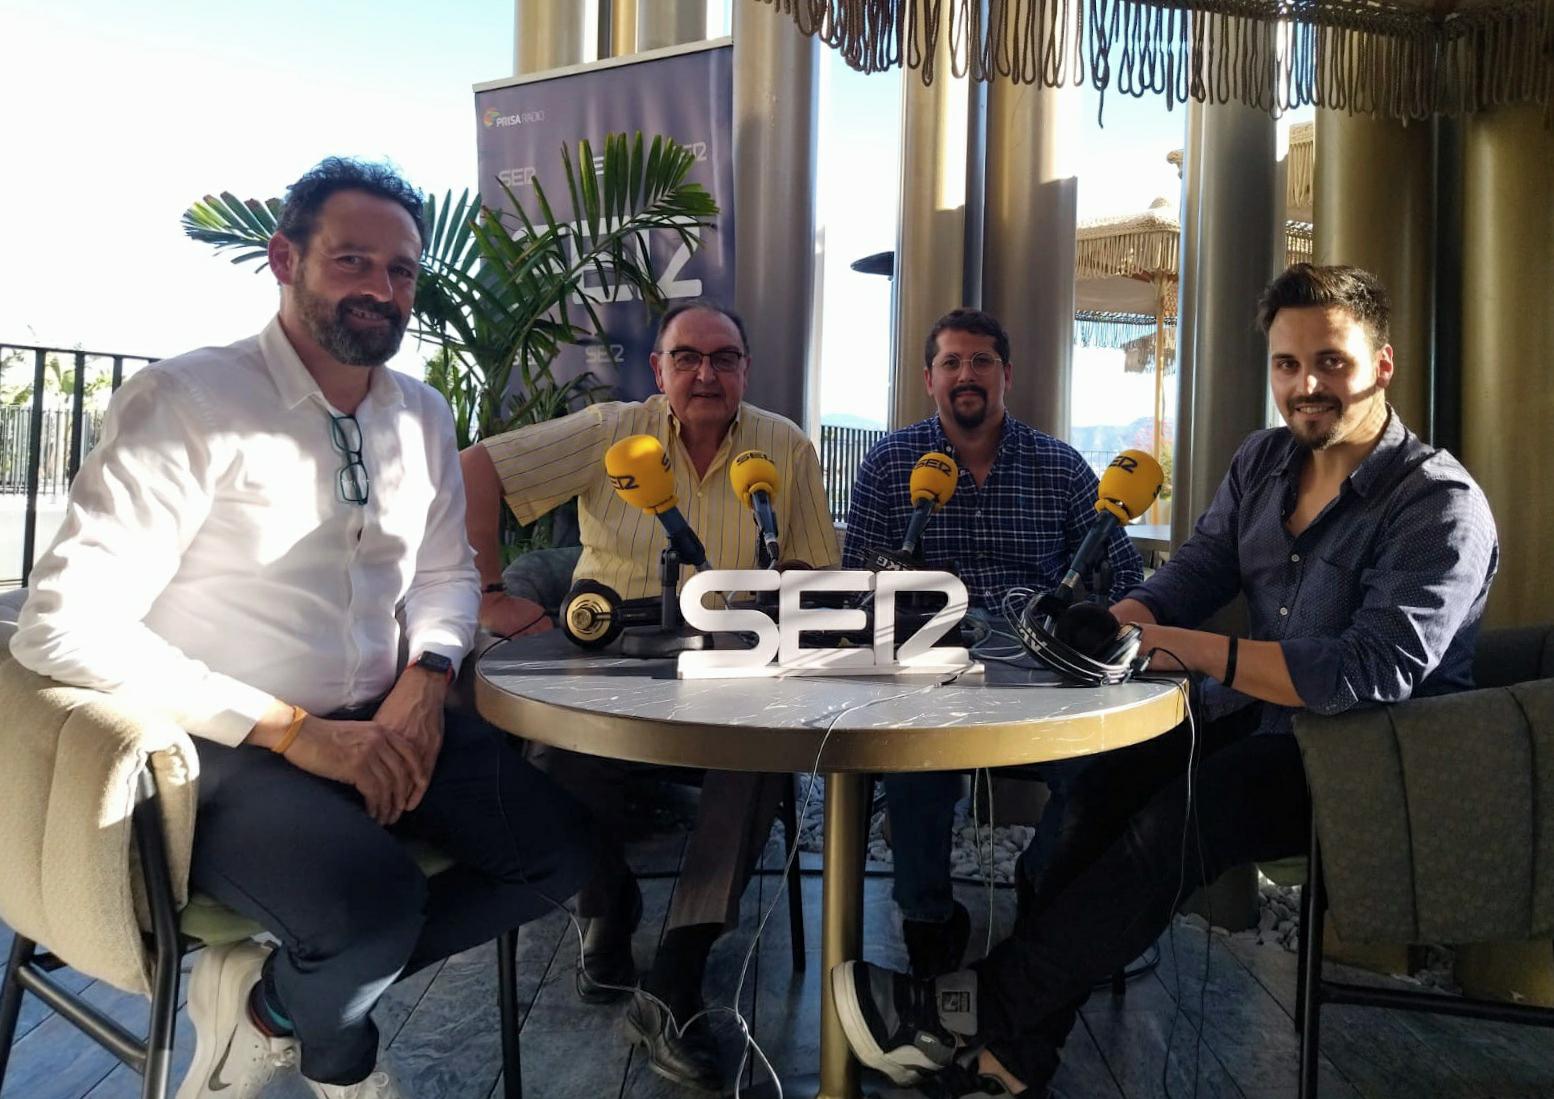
1118 870
353 913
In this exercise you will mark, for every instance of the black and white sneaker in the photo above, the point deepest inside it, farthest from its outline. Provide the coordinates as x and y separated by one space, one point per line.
902 1027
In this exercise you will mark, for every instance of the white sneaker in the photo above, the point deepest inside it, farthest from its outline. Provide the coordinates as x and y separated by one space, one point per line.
232 1058
380 1085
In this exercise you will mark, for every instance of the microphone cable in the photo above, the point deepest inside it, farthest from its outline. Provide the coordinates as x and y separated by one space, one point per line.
732 1009
1190 825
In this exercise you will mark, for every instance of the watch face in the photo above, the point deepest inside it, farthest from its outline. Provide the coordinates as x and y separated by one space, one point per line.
434 662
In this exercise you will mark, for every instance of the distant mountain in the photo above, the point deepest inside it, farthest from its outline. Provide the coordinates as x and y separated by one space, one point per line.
847 419
1110 438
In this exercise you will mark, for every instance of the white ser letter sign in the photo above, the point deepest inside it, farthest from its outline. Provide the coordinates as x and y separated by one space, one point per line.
780 639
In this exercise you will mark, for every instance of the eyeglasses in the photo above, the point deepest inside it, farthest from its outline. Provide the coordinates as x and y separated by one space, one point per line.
351 482
980 363
687 360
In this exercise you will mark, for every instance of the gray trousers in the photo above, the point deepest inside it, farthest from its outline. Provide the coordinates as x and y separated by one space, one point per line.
353 913
733 820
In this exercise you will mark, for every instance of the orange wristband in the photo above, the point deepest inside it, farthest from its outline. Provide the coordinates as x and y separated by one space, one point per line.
298 716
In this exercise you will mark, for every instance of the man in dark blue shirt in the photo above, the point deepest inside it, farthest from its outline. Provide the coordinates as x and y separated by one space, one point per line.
1023 502
1365 557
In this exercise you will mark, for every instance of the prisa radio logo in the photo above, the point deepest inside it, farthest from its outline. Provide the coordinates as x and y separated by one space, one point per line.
494 117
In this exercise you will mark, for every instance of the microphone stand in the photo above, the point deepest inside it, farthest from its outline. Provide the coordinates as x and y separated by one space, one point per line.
666 638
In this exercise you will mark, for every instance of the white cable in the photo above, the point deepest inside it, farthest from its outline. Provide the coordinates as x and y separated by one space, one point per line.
814 772
992 850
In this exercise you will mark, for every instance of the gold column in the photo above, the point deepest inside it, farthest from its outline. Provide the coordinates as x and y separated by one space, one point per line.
930 276
669 22
1229 211
1028 244
1508 346
1373 208
549 34
623 28
775 104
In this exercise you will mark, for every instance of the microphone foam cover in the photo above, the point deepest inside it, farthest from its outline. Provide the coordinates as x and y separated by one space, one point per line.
752 471
933 478
1129 484
638 467
1087 628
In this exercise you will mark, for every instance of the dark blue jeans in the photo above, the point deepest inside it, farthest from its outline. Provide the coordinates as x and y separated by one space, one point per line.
353 913
1121 864
922 812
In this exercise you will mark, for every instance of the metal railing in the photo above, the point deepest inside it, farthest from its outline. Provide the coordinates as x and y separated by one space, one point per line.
841 453
54 463
41 447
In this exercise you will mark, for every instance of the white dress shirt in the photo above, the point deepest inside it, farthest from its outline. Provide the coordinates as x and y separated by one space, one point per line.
208 563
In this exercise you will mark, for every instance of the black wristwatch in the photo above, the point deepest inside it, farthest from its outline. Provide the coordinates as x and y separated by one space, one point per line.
434 662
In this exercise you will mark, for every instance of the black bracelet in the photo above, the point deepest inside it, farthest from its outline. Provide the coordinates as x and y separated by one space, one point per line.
1230 661
489 588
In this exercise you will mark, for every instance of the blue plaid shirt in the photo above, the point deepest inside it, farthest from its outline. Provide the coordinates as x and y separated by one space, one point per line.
1020 529
1377 600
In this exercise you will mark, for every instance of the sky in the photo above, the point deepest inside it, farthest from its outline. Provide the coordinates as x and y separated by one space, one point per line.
120 115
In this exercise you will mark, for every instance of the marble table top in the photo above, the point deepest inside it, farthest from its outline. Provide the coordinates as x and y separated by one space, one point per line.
544 688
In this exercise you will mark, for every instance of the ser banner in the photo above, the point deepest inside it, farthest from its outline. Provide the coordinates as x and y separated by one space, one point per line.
683 93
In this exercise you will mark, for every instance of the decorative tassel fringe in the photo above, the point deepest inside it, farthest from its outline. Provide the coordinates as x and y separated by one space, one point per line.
1300 167
1116 250
1399 60
1114 330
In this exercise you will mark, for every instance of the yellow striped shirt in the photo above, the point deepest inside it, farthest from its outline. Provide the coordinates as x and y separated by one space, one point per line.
545 465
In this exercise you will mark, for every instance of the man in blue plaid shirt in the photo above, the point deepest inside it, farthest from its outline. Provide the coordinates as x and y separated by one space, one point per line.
1022 504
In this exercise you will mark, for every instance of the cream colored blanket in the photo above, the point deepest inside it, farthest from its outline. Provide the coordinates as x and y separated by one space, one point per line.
69 762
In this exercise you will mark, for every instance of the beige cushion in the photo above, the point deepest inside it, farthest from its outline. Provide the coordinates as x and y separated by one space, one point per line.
72 759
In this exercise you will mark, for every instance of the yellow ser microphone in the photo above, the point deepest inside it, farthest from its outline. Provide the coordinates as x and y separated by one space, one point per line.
753 477
1129 484
931 485
638 468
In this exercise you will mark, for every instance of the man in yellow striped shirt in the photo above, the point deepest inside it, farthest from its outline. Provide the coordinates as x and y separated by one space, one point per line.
701 364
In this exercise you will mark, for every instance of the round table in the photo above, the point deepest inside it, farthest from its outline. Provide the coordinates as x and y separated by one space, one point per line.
847 727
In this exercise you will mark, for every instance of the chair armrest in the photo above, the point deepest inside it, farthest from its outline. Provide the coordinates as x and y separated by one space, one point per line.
68 875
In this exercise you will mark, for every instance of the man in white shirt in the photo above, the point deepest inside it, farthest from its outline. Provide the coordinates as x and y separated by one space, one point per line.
235 549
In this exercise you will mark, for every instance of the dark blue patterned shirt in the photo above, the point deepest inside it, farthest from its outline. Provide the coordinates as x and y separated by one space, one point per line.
1020 529
1378 600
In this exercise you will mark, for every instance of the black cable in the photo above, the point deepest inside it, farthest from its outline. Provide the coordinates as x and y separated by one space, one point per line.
1189 824
497 640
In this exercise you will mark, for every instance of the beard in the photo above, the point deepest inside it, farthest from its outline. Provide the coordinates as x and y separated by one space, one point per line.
330 325
969 420
1319 436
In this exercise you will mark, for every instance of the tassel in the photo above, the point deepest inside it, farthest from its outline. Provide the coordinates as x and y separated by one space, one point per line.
1403 62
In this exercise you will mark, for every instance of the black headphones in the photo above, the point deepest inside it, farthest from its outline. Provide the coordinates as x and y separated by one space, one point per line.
594 614
1081 642
590 614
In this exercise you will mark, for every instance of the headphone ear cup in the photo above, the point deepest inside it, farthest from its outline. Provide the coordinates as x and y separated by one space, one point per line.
590 614
1123 647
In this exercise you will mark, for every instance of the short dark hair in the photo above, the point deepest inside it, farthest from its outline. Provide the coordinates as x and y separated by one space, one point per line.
304 198
686 305
974 321
1353 289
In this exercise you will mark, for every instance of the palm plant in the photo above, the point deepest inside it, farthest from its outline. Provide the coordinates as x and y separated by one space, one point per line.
498 290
